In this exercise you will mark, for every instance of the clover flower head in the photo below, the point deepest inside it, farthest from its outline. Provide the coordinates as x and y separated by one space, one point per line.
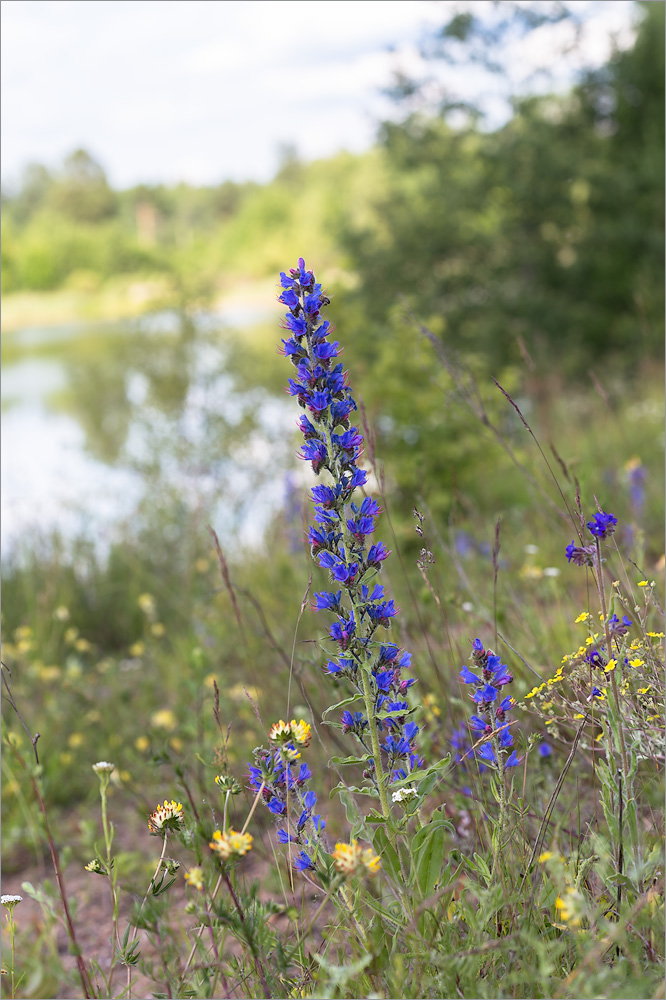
351 859
230 844
299 733
166 818
194 877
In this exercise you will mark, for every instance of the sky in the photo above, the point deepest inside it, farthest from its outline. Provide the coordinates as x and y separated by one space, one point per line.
160 91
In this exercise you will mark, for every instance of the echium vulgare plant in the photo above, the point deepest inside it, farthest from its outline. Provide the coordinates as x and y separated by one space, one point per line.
280 777
344 521
492 722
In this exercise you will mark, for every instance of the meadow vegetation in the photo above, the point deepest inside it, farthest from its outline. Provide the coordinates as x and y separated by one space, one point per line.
498 296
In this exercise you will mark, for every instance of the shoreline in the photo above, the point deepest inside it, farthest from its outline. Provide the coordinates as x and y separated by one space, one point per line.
126 299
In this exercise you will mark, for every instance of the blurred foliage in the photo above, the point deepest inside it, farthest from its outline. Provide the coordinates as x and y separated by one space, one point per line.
549 229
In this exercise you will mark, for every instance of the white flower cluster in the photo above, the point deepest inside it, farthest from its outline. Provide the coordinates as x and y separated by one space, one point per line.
404 793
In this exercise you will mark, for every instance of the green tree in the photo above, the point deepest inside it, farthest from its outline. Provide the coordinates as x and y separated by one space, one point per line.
82 191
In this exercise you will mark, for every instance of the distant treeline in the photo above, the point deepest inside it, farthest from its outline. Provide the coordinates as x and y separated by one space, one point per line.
546 233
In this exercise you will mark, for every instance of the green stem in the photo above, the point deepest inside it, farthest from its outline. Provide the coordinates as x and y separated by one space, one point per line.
136 929
616 696
502 804
374 742
110 870
12 929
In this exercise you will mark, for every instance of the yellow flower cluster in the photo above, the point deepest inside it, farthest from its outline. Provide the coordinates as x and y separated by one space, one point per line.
167 817
570 907
352 858
555 679
195 877
230 844
298 732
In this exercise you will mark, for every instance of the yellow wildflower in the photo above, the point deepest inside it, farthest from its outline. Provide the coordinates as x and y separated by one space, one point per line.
147 604
352 858
158 630
546 856
636 662
230 844
569 906
137 649
656 635
142 743
642 583
195 877
611 665
582 617
164 719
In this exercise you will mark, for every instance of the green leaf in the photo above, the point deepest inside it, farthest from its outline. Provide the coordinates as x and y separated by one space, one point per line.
340 761
422 773
355 790
351 809
387 852
341 704
428 851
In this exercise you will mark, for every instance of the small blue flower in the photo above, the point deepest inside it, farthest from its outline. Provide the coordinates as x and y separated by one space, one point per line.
304 863
580 555
602 525
487 694
545 750
486 752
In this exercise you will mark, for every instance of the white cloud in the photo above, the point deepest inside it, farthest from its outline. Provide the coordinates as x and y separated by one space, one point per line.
203 89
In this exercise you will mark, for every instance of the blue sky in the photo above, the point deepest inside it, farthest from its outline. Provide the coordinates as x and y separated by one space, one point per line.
205 90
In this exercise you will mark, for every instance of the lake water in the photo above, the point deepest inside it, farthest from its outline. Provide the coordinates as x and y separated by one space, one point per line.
97 415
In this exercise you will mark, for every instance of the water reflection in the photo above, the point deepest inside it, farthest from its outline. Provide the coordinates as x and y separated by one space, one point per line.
98 417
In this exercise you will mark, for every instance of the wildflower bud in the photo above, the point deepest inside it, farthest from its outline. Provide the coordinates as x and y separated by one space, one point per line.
96 866
226 783
103 767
